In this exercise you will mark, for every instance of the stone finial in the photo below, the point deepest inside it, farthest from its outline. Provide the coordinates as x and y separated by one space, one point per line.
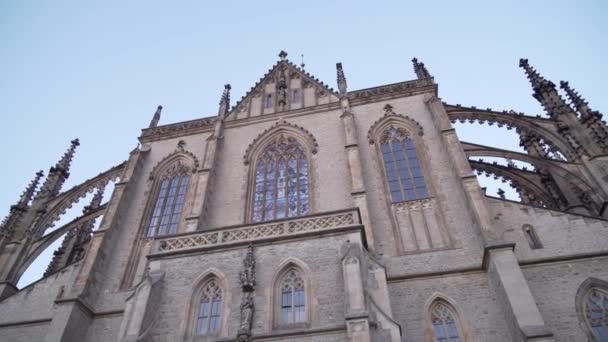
578 101
156 117
420 70
283 55
28 194
388 109
224 101
534 76
64 163
341 79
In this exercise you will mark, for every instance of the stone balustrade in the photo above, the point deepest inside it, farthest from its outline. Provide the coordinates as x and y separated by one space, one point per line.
284 228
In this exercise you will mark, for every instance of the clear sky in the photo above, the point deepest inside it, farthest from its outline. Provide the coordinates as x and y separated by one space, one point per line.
97 70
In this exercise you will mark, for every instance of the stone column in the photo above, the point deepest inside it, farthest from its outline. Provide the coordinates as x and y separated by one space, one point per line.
512 288
355 303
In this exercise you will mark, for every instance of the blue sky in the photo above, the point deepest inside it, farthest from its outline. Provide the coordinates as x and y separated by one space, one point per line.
97 70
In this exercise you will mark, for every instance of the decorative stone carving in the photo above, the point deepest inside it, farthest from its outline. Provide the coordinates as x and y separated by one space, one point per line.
247 282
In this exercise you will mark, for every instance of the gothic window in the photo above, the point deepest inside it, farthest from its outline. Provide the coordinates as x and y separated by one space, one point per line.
268 101
445 326
281 181
292 298
596 313
403 170
210 309
169 201
295 96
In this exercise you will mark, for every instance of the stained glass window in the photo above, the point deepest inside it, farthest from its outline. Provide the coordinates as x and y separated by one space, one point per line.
444 324
293 302
596 312
403 170
281 181
169 202
210 309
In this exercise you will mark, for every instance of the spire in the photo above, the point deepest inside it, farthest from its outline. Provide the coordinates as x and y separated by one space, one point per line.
224 101
59 173
545 92
533 76
341 79
63 165
156 117
420 69
578 101
29 191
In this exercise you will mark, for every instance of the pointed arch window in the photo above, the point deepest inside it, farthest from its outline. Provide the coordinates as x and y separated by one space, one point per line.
169 201
292 298
596 313
402 167
210 309
281 181
445 326
268 101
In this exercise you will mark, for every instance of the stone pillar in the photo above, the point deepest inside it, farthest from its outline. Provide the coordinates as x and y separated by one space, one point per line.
358 192
512 288
355 303
71 319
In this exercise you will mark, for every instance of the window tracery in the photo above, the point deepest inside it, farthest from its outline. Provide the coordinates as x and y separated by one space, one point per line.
292 298
445 326
281 181
596 313
402 167
169 201
210 309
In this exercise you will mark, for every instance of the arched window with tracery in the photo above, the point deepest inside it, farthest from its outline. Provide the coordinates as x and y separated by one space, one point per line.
445 324
402 167
292 299
596 313
169 202
281 180
208 321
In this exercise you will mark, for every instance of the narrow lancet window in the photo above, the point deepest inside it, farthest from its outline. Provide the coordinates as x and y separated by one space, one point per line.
295 96
169 202
445 327
281 181
531 236
403 170
596 313
293 298
268 101
210 309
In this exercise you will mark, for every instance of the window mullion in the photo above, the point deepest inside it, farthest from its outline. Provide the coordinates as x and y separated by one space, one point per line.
297 186
409 169
263 208
396 170
164 206
275 189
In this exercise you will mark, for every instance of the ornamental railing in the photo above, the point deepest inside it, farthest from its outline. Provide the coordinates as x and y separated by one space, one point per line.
260 231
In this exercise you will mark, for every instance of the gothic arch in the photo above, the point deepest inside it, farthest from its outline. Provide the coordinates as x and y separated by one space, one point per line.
390 118
464 330
188 159
281 134
193 305
581 296
280 127
282 271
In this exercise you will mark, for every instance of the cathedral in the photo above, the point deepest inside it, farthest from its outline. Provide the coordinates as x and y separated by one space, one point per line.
304 213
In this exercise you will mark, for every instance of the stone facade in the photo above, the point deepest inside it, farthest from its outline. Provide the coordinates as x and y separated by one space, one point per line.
365 264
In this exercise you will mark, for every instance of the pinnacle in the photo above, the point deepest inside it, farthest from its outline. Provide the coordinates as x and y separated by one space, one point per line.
31 188
341 78
64 163
420 69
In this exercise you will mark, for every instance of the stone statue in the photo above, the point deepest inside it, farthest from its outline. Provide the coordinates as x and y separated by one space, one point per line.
247 281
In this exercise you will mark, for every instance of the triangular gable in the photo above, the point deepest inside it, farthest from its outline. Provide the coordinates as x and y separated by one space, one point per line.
284 87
